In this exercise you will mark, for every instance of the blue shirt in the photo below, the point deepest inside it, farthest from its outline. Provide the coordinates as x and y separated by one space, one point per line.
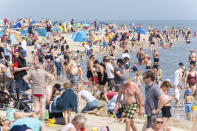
32 123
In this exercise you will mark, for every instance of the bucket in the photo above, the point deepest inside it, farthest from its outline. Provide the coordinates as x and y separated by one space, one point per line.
51 122
194 108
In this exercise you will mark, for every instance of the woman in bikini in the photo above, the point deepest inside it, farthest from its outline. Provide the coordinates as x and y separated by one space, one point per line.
191 78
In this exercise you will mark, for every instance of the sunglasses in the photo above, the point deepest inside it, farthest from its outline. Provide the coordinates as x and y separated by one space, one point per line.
159 122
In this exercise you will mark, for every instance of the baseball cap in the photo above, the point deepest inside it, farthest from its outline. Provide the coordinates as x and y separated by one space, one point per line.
23 53
189 92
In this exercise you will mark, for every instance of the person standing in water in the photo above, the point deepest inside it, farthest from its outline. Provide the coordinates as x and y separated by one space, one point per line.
192 57
156 56
140 56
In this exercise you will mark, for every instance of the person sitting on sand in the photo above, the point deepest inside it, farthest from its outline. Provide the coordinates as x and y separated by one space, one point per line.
77 123
27 122
92 102
157 123
4 124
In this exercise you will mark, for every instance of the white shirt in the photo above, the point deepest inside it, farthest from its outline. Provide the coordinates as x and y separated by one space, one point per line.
86 95
176 78
87 47
109 67
125 55
24 45
58 59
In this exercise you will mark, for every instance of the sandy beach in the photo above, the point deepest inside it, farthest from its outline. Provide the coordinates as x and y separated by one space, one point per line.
98 121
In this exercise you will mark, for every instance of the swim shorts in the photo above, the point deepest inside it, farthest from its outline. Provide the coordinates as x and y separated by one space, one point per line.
188 107
156 60
130 110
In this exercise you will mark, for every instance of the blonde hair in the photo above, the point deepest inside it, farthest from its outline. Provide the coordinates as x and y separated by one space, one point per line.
80 119
79 87
67 85
138 73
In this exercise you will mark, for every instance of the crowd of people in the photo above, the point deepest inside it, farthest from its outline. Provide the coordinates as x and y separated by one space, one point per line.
110 79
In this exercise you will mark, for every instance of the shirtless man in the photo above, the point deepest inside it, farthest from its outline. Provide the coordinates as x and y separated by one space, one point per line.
156 56
90 72
148 63
73 71
192 57
140 55
131 94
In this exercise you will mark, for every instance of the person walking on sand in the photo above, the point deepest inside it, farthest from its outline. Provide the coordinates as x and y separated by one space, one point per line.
131 96
154 99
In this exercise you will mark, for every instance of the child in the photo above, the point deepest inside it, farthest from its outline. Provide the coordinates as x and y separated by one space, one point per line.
138 78
189 100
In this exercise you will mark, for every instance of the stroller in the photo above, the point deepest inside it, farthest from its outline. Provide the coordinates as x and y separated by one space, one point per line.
8 95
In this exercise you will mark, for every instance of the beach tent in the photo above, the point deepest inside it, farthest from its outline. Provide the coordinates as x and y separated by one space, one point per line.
79 36
41 32
13 39
142 31
17 24
24 32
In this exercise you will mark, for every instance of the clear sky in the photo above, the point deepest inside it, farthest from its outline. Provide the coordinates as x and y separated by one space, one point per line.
100 9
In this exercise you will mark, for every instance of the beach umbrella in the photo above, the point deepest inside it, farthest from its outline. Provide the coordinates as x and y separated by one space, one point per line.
57 28
142 31
61 28
13 39
41 32
17 25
